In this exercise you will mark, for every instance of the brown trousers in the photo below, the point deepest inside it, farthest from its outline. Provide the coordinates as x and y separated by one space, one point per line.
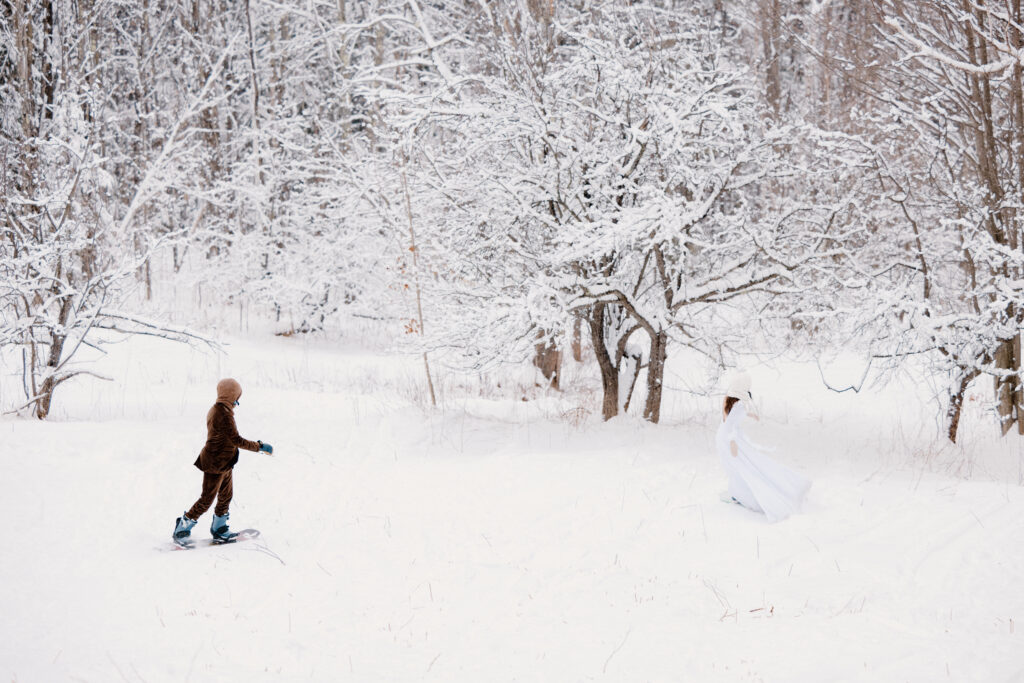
214 485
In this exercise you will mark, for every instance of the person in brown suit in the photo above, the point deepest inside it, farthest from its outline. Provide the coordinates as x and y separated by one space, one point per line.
216 461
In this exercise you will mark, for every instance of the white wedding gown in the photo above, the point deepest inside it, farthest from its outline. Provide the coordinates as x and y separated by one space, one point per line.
755 480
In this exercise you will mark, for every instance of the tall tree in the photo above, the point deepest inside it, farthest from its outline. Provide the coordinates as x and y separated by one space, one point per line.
632 179
953 166
66 223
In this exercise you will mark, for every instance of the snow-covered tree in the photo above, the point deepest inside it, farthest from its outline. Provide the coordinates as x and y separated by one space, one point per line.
614 161
950 144
67 247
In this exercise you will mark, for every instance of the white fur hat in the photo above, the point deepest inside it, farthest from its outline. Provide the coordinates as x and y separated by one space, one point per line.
737 384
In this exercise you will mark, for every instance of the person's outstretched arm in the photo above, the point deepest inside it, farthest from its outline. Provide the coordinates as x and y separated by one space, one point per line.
236 439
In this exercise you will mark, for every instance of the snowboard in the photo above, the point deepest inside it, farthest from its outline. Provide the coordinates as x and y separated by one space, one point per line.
190 544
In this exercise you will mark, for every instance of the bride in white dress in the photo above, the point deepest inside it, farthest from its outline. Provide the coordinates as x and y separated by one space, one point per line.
755 481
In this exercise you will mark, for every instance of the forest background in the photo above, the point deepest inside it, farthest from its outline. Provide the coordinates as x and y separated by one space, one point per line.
494 182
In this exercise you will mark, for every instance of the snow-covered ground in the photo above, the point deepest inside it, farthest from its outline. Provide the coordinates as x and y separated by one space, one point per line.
508 536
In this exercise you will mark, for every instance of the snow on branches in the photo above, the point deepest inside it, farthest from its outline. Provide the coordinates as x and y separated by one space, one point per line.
618 166
952 168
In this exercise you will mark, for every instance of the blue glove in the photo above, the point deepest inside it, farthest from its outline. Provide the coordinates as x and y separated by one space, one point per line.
266 448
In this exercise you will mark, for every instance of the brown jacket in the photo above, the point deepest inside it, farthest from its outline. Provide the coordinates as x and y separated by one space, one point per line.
222 439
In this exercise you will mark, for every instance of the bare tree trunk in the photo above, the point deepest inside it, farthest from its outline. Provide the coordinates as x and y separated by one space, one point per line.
1018 390
656 375
1017 145
609 373
1007 356
1008 388
416 280
49 78
577 339
209 116
825 74
771 38
42 406
956 404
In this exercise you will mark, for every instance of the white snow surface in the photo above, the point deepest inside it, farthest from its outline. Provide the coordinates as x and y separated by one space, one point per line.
497 538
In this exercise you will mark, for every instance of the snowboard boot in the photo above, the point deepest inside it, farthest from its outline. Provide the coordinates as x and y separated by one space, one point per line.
183 530
220 531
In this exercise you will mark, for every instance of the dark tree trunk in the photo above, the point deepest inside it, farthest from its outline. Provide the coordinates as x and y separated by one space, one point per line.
656 375
1018 390
609 372
956 404
1007 388
577 339
49 78
42 408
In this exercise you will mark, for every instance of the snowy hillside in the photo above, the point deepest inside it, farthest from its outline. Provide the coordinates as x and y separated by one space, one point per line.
496 540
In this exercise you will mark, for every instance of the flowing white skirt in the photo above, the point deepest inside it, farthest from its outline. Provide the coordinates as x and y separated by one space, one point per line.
759 483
